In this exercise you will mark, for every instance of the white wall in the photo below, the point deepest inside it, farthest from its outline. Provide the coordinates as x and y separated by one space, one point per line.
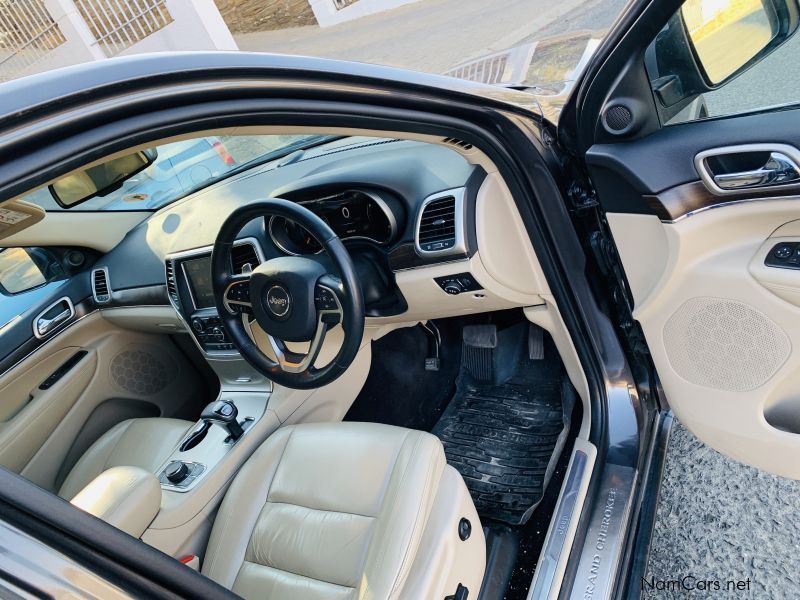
327 15
196 25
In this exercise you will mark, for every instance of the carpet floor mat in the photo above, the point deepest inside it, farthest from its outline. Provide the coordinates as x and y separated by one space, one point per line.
505 439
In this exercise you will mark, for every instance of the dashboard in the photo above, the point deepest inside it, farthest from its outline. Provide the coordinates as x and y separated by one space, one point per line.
407 212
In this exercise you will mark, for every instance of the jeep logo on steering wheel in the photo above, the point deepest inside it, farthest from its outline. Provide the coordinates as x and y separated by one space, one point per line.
278 301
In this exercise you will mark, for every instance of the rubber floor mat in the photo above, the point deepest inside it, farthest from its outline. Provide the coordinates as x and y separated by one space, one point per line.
506 439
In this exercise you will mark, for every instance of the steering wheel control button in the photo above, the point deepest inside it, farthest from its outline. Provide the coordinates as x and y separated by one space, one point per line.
237 298
324 299
176 472
458 284
785 255
279 302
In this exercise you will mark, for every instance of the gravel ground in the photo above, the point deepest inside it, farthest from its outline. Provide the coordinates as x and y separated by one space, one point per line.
725 522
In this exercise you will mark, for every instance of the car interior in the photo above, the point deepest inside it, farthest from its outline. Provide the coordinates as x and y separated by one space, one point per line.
334 373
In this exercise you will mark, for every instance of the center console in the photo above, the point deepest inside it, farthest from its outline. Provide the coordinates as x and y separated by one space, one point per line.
195 476
191 293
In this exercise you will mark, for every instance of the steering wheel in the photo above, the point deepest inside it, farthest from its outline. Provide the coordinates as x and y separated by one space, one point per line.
292 298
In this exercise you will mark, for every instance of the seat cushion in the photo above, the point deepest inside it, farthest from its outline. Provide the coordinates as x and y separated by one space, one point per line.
143 443
328 510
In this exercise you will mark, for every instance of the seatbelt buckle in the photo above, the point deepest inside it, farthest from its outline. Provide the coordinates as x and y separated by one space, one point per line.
192 561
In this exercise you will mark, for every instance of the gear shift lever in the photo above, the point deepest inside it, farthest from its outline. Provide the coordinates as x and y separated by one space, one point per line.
224 414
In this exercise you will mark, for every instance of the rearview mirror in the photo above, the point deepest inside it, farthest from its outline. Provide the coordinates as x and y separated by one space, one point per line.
727 36
100 180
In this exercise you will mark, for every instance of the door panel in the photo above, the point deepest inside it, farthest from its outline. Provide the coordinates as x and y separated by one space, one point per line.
123 374
723 328
32 414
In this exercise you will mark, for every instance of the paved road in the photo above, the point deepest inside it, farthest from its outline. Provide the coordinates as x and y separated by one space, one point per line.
435 35
720 520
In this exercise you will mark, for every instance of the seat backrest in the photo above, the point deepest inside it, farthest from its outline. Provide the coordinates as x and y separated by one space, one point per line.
327 511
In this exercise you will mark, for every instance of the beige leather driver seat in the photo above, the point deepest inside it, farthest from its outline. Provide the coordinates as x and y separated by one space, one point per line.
347 510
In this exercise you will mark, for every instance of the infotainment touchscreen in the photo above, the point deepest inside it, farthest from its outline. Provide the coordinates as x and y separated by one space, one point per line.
198 276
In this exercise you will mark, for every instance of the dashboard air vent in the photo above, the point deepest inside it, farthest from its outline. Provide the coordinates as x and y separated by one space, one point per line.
100 286
172 288
437 225
242 255
456 142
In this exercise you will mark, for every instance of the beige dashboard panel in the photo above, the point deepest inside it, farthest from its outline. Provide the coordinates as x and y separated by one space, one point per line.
503 241
726 345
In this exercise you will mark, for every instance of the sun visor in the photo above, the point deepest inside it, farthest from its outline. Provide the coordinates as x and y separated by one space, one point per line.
16 215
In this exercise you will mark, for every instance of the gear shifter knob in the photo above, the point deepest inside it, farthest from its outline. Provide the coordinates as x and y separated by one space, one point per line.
223 413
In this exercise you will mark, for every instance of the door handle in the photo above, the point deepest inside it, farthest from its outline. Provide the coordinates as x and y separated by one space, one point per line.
779 169
60 311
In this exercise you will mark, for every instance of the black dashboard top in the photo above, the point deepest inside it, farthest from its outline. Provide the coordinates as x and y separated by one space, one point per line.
368 189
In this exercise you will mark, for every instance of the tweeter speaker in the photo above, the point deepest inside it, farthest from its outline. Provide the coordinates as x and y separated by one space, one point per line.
724 344
622 116
142 370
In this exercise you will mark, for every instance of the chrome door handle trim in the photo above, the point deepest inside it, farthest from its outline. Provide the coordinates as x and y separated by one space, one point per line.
781 170
42 327
778 170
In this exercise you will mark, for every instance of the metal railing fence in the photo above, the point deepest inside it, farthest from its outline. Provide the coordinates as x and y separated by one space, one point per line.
118 24
27 34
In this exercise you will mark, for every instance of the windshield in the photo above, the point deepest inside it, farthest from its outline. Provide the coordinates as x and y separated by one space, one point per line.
183 167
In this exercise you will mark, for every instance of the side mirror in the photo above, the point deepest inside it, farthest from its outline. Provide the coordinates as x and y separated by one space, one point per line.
100 180
709 42
728 37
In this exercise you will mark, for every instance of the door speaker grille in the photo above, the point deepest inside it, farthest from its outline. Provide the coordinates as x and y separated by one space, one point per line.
724 344
141 371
